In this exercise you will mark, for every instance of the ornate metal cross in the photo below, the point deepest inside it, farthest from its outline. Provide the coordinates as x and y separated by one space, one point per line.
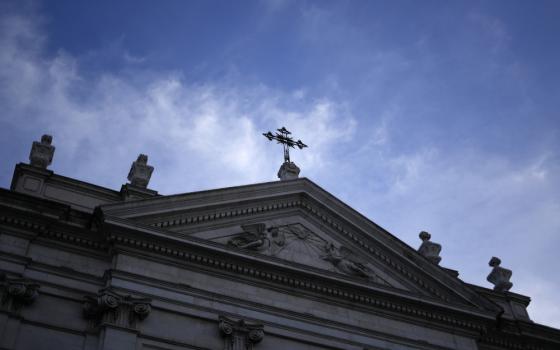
286 141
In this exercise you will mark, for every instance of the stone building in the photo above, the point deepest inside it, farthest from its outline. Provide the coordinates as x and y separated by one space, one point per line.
281 265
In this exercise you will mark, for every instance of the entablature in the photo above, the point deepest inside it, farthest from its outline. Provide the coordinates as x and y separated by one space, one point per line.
190 213
218 259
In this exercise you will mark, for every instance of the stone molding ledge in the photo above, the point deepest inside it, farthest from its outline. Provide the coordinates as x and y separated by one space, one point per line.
43 230
426 313
111 308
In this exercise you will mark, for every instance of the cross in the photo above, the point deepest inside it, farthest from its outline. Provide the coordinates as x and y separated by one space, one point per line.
286 141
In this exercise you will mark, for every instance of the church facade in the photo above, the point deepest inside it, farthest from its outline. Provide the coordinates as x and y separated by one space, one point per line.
281 265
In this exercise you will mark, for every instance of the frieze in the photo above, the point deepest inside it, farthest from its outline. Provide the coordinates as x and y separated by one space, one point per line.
110 307
16 293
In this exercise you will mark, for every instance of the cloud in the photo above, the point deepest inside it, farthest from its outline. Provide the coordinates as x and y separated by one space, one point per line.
197 135
205 135
476 205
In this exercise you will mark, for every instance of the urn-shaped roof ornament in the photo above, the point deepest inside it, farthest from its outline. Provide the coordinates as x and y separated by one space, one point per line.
42 152
140 172
499 276
429 250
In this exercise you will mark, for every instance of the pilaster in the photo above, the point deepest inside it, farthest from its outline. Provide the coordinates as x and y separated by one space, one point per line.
15 294
239 335
116 316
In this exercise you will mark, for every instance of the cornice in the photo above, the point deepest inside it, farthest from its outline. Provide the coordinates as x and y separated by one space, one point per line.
39 227
186 201
504 295
327 219
196 253
215 206
169 303
66 182
308 205
293 201
522 335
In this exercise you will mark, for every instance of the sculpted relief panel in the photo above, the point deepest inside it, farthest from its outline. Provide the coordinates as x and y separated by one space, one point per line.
295 242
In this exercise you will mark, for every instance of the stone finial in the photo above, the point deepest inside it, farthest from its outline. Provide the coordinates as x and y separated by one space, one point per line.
429 250
499 276
288 171
239 334
42 153
140 172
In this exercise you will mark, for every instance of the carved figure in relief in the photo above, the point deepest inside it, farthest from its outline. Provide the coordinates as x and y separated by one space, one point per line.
254 237
297 243
277 238
339 258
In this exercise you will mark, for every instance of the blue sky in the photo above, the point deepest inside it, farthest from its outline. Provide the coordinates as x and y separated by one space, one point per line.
435 115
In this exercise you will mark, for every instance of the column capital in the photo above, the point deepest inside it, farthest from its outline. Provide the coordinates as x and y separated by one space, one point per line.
16 293
240 335
110 307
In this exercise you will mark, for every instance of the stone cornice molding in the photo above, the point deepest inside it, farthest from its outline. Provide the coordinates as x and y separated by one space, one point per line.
52 228
182 306
521 335
226 265
16 293
59 235
327 219
65 182
409 272
212 206
222 259
109 307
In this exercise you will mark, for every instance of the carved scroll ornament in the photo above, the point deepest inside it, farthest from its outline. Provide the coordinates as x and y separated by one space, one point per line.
239 335
113 308
16 293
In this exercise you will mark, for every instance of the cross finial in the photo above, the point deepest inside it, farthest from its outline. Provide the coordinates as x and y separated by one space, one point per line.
286 141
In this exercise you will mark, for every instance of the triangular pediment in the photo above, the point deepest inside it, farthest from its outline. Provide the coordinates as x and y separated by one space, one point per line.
299 241
302 225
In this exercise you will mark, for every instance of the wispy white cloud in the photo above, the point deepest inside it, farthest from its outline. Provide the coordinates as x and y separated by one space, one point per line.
198 135
477 206
205 135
